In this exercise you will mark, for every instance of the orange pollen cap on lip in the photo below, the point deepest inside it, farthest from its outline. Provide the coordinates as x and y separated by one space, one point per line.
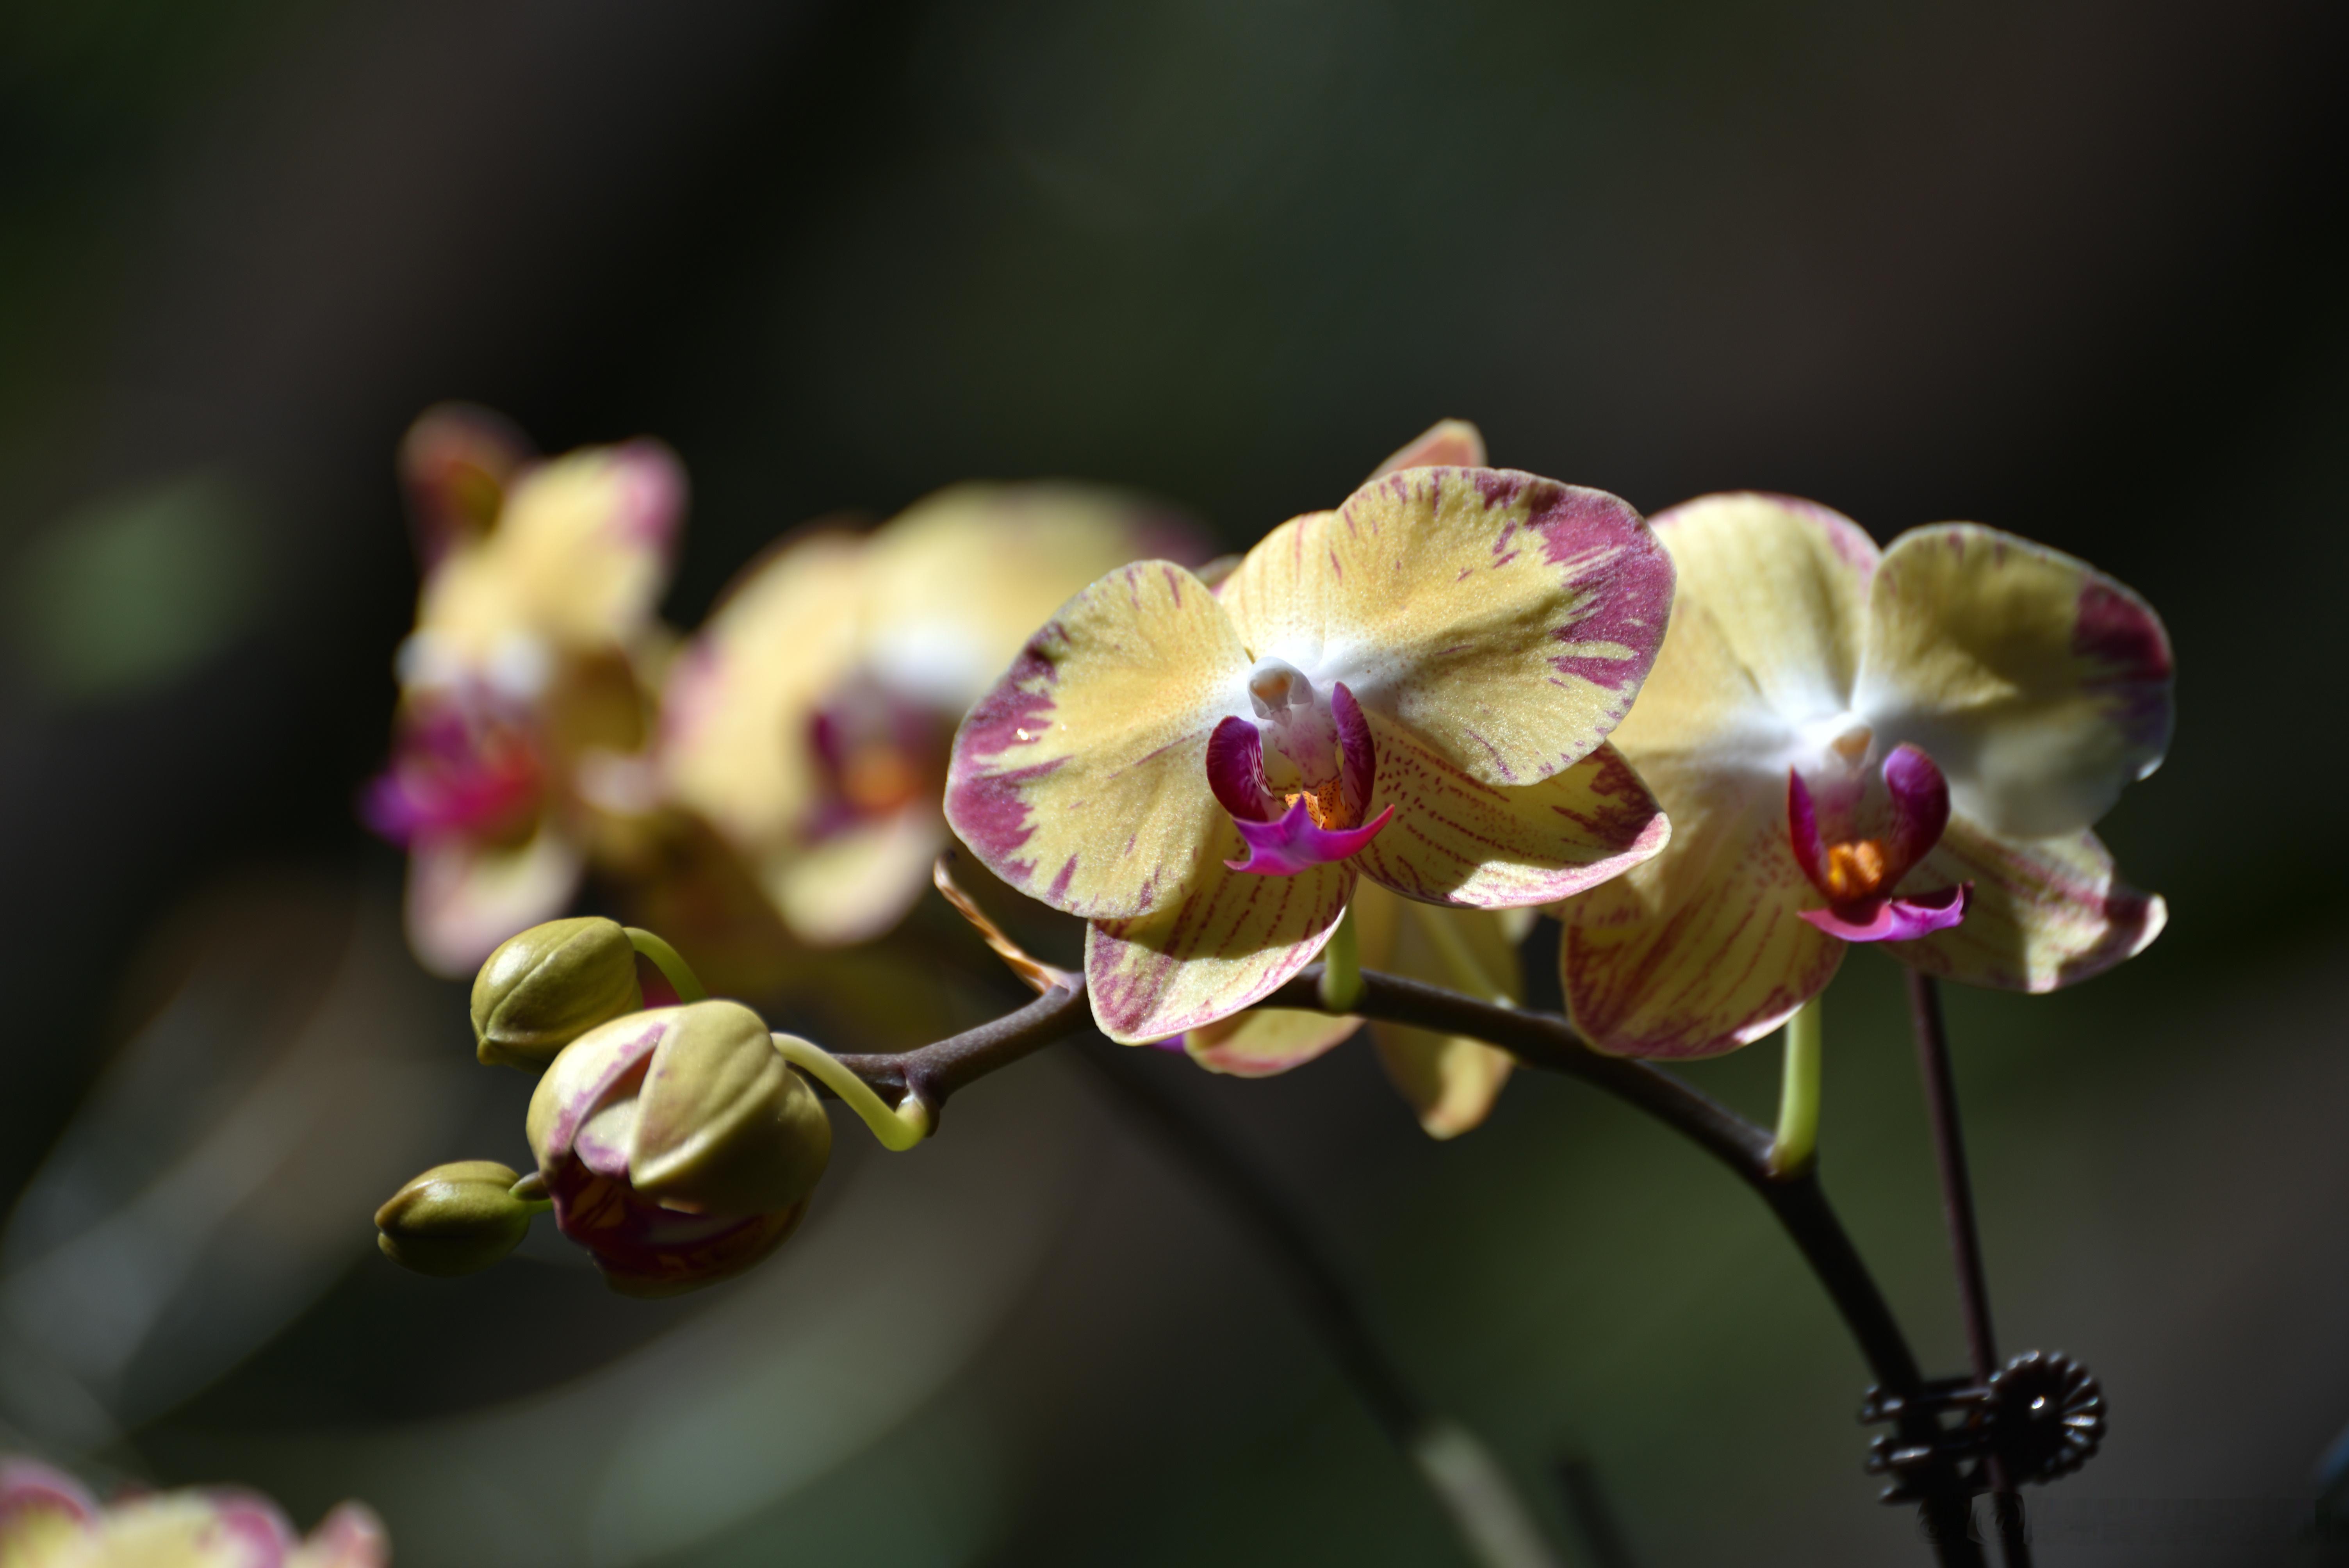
1324 803
879 779
1855 870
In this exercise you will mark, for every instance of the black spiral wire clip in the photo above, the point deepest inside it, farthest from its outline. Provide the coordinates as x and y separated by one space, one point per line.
2043 1414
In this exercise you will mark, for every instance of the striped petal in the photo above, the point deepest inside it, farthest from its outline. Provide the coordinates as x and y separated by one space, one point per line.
1702 949
1456 840
1080 779
1784 583
1266 1041
1446 444
1224 942
2044 914
2040 685
1504 619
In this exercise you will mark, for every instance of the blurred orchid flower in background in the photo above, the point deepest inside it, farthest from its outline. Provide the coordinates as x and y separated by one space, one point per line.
48 1520
809 720
1417 686
1828 724
524 708
1450 1081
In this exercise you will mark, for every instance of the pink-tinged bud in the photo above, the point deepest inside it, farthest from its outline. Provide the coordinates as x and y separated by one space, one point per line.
543 989
455 1219
678 1146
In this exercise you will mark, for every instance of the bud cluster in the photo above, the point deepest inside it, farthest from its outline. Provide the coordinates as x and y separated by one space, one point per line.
675 1143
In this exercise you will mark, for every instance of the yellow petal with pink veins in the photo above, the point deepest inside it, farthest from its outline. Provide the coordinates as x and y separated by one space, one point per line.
1266 1041
1785 584
1080 779
737 716
1505 620
2039 685
1223 944
1459 841
587 538
2045 912
1700 950
1446 444
464 897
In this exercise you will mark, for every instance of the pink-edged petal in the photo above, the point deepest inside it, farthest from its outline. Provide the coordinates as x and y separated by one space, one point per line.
1507 620
1266 1041
464 897
586 541
1446 444
1893 919
455 463
1294 843
1226 943
2045 912
1459 841
2041 686
31 1490
351 1536
1702 949
1783 584
1235 771
1080 780
608 1061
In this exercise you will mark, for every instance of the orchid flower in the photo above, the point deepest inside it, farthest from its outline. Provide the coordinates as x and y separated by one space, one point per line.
809 721
48 1520
1449 1081
1903 747
1416 687
523 701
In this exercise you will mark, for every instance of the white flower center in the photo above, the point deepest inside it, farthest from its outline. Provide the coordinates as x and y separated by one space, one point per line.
1299 733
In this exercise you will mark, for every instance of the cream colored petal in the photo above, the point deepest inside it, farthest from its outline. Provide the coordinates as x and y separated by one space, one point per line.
1456 840
1264 1041
464 897
1080 779
1699 951
2045 912
962 579
1505 620
2038 684
588 539
1446 444
1450 1081
738 714
1785 583
857 884
1226 943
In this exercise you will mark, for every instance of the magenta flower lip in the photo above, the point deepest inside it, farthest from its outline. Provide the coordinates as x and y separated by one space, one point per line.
1858 876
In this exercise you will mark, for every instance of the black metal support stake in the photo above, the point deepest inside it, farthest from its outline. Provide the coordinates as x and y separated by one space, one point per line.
1965 1238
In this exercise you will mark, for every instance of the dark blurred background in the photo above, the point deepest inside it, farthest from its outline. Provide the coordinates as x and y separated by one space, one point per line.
2072 270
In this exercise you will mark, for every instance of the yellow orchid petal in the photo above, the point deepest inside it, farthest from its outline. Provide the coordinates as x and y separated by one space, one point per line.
1450 1080
1504 620
1224 943
2045 912
586 540
1457 840
961 579
1080 779
2039 685
857 883
1446 444
1264 1041
743 695
1785 583
464 897
1699 950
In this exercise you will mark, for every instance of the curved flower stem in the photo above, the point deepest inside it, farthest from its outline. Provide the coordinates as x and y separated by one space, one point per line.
935 1071
672 966
898 1129
1466 1479
1795 1146
1342 967
1965 1238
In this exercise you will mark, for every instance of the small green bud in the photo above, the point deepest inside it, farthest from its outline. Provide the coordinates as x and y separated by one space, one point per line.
546 987
455 1219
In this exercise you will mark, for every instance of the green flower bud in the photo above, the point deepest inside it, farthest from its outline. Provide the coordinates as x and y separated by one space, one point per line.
543 989
455 1219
